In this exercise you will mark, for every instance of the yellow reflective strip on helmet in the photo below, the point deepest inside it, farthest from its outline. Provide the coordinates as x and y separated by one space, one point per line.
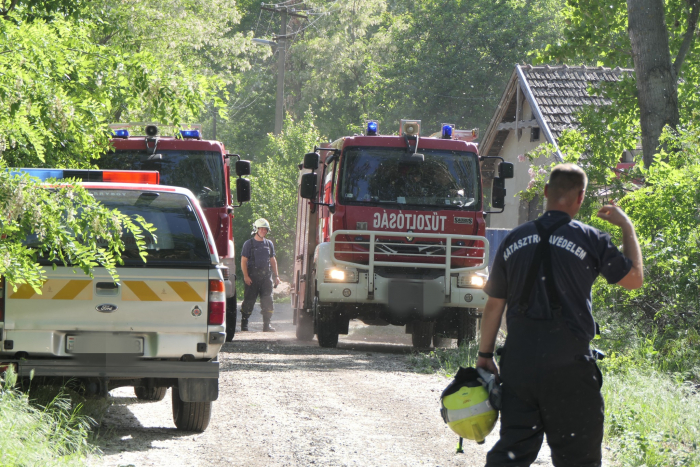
185 291
71 289
140 292
454 415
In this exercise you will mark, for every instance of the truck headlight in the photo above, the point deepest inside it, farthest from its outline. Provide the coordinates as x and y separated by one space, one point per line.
340 275
473 280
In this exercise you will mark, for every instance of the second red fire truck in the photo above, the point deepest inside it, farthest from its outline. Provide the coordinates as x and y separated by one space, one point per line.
391 231
202 166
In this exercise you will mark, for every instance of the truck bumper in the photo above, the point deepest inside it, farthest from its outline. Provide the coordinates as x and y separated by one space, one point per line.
71 368
390 291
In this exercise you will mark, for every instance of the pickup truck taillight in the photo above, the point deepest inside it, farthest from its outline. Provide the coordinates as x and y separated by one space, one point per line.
217 302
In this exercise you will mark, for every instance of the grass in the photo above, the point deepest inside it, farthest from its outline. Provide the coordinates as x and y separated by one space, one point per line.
54 434
445 362
651 419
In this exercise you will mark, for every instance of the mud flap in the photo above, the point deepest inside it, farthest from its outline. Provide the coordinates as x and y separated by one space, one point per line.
198 389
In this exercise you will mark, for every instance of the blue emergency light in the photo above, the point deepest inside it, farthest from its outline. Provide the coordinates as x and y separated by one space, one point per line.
114 176
189 133
372 129
447 131
123 133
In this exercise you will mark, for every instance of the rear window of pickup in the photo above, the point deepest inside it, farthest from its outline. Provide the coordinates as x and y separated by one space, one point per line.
178 239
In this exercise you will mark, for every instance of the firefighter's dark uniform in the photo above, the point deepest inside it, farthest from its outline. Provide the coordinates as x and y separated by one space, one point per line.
551 383
260 272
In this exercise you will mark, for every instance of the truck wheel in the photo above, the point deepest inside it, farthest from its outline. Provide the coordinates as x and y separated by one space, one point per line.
149 394
467 327
190 416
327 326
231 315
305 325
441 341
422 335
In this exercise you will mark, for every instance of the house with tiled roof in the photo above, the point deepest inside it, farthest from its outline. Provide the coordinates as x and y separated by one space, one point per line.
538 104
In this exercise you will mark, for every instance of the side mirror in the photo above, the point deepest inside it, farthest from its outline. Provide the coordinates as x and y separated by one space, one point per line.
498 193
242 189
242 168
312 160
505 170
307 190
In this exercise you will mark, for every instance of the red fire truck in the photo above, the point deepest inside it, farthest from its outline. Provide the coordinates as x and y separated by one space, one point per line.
202 166
395 235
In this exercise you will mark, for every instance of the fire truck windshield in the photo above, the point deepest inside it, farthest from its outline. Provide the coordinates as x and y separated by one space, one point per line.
445 179
202 172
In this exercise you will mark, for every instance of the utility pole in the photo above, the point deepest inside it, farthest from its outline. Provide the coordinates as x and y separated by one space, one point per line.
281 47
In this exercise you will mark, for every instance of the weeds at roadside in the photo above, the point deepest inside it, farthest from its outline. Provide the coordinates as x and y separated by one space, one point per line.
55 433
445 362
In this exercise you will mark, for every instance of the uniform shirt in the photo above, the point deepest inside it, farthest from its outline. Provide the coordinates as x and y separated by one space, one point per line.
579 253
260 252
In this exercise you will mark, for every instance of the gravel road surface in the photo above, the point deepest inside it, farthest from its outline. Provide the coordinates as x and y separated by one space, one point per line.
288 403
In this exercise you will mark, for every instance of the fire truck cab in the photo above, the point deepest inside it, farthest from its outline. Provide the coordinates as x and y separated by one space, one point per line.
391 231
202 166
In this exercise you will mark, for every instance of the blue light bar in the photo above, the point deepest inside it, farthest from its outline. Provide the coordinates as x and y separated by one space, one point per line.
123 133
190 133
447 132
372 129
41 174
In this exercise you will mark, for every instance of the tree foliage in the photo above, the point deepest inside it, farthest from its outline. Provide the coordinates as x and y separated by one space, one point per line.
275 184
61 223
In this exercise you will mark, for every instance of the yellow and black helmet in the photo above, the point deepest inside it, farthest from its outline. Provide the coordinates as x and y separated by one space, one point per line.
466 408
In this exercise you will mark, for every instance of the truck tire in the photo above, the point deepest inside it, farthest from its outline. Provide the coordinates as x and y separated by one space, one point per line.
305 325
190 416
149 394
422 335
327 326
231 315
441 341
467 327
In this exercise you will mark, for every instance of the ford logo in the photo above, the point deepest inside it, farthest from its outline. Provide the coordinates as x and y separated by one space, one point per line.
106 308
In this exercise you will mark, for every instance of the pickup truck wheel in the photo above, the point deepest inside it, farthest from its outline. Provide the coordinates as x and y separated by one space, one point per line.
422 335
327 326
305 325
150 394
190 416
231 315
467 327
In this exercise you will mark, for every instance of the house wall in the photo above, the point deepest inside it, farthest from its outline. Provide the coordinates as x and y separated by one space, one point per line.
513 147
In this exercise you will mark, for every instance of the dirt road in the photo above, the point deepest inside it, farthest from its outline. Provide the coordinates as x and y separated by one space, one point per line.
287 403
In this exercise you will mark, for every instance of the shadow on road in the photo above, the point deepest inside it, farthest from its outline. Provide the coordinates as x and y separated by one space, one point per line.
121 431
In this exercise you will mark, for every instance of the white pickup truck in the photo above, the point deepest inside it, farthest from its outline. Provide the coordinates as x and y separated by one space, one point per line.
161 326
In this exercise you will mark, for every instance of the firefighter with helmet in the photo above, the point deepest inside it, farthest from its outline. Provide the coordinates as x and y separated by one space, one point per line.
259 267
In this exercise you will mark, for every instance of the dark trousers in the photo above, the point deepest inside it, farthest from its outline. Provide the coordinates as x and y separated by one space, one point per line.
551 385
262 287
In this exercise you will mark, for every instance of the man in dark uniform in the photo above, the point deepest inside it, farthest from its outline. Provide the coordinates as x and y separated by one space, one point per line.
543 272
259 267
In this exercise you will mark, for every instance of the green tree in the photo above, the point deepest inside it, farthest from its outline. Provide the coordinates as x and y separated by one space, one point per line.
656 38
275 187
62 223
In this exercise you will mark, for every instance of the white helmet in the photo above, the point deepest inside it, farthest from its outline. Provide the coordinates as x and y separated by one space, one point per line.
261 223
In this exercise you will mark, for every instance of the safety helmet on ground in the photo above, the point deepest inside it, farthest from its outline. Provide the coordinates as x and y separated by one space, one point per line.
465 405
261 223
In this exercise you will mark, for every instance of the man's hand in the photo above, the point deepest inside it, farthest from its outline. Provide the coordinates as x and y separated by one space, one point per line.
247 280
614 215
488 364
277 281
